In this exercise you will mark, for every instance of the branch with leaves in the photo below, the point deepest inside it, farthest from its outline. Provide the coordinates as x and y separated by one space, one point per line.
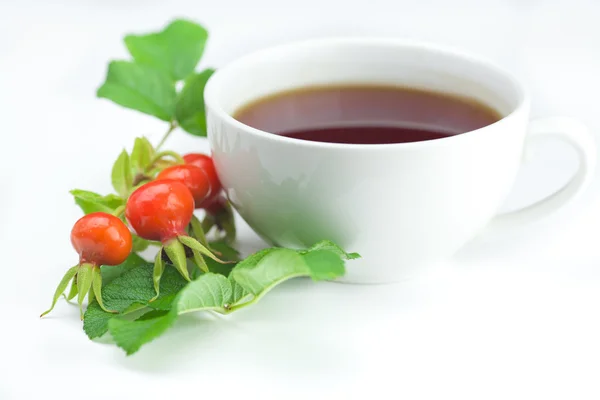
137 301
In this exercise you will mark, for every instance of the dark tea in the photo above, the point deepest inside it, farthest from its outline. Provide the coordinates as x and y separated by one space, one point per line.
366 114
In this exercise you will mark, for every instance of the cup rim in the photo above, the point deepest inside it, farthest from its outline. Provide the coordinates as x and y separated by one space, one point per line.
212 86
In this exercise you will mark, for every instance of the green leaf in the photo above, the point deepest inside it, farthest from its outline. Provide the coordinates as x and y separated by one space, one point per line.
121 175
93 202
131 335
189 110
152 314
137 286
324 264
251 279
228 253
141 155
95 321
139 244
239 294
176 50
261 272
252 260
132 287
275 267
208 292
140 87
109 272
329 245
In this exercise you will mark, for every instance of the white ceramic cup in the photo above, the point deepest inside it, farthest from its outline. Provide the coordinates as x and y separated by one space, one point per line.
403 206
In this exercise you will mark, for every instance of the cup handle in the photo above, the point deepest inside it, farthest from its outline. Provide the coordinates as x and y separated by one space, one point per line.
577 135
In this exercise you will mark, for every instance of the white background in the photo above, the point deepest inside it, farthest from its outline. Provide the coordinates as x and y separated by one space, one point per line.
513 315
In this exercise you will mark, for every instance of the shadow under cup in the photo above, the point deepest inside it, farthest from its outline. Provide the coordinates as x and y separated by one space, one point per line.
403 206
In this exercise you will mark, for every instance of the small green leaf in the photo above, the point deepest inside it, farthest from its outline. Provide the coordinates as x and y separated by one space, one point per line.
227 253
131 335
189 111
252 260
208 292
95 321
152 314
139 244
132 287
275 267
121 175
141 155
176 50
329 245
110 272
93 202
324 264
140 87
260 272
239 294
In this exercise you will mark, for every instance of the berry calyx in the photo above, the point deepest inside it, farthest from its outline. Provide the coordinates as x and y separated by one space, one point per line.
99 239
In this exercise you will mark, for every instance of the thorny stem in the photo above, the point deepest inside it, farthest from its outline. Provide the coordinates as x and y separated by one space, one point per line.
172 127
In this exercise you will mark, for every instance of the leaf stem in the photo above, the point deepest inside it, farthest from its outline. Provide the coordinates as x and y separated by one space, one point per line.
172 127
170 153
151 169
118 212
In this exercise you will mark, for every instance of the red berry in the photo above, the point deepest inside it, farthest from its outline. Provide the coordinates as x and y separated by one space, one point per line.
215 205
101 239
206 164
192 177
160 210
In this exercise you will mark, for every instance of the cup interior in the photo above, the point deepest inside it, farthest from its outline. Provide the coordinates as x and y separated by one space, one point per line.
361 61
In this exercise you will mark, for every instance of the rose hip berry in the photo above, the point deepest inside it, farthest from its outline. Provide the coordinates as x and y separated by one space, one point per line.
99 239
206 164
194 178
160 210
216 205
